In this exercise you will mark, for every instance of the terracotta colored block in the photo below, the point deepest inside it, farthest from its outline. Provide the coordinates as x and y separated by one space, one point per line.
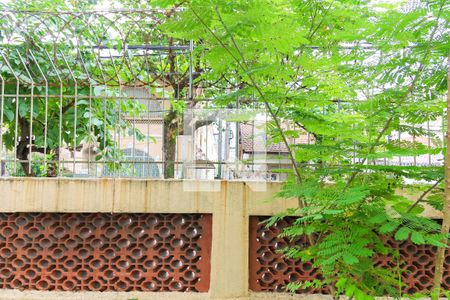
270 272
105 252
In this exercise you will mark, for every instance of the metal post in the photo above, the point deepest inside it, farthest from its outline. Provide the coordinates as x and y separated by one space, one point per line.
119 111
90 109
46 108
16 126
2 102
105 107
237 140
191 49
60 109
30 137
147 69
219 153
75 112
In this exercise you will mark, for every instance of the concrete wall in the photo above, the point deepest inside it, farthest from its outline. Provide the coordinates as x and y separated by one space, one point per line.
230 202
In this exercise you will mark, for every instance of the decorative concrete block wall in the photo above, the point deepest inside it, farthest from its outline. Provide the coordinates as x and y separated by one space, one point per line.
63 238
271 272
105 252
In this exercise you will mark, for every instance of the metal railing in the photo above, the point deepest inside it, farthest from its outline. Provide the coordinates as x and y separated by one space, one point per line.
89 94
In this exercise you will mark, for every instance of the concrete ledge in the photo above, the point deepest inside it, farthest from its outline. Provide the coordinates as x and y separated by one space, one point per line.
43 295
22 194
133 195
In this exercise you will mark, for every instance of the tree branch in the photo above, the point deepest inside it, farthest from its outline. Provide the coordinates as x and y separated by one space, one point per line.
245 68
65 108
405 96
424 194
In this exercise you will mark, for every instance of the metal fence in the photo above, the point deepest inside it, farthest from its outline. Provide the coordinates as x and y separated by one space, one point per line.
91 94
80 86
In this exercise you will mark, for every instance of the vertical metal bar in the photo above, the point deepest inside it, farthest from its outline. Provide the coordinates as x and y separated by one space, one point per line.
206 142
2 102
443 130
75 111
133 115
126 56
227 142
163 102
90 147
353 141
60 109
162 76
399 141
118 118
191 49
237 139
147 69
30 137
16 126
105 107
414 143
46 108
176 164
196 143
378 104
429 141
90 108
253 148
384 159
219 153
266 115
279 155
190 92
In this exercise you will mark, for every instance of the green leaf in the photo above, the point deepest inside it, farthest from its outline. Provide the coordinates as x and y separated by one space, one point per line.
402 233
350 258
388 227
405 206
332 211
23 108
378 218
417 238
9 114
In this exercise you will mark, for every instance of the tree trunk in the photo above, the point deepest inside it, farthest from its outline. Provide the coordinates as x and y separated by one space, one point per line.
170 143
22 148
440 255
52 167
2 168
170 120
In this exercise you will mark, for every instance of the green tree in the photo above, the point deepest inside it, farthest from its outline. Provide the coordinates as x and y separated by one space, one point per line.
57 59
351 76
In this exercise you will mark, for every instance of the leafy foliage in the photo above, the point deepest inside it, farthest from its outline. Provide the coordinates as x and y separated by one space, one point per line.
75 111
352 77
